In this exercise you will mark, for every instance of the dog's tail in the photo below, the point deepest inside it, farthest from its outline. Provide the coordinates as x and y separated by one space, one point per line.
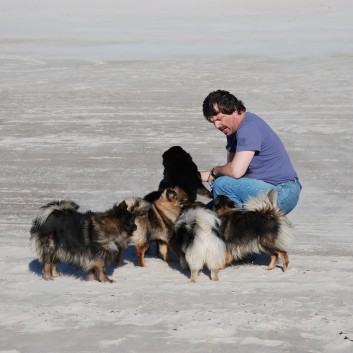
46 210
266 204
262 202
37 240
207 247
137 206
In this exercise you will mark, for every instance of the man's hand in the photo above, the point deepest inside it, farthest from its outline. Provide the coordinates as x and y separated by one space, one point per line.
206 176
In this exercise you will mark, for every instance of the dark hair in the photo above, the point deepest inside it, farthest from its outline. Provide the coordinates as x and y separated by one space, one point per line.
221 102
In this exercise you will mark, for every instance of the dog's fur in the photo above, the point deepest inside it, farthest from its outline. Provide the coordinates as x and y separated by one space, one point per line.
180 170
156 223
88 240
259 227
197 236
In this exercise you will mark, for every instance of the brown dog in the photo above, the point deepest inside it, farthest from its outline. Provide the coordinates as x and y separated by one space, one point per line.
157 222
259 227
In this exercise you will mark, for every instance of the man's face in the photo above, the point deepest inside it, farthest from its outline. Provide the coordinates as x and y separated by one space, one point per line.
225 123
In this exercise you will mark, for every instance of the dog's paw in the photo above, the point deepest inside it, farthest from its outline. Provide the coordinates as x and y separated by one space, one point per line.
214 275
268 268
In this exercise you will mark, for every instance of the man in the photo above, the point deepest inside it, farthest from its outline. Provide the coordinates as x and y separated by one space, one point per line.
257 160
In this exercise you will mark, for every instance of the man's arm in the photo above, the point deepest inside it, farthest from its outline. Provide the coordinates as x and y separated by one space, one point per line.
236 167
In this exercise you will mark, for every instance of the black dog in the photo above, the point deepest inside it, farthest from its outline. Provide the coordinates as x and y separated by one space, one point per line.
181 171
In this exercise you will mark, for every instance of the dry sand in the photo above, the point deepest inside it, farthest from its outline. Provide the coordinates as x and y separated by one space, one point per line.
93 92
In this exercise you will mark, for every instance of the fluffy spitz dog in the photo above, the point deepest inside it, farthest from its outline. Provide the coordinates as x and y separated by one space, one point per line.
180 170
259 227
198 239
155 222
88 240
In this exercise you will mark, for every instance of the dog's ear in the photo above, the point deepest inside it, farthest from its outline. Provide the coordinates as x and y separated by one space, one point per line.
171 194
216 204
182 196
137 206
229 203
142 208
121 208
223 201
152 196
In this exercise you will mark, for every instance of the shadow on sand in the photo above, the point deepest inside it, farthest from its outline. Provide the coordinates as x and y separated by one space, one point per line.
35 267
129 256
253 259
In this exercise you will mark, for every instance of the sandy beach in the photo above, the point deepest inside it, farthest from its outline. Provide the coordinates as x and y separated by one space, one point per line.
93 92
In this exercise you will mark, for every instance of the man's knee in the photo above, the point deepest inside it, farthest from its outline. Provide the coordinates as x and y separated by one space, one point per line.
289 201
220 185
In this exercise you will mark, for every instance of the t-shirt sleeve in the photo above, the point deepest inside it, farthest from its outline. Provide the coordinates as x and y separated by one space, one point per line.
249 138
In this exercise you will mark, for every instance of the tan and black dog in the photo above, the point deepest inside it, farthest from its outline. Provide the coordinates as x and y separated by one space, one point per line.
259 227
199 241
157 222
88 240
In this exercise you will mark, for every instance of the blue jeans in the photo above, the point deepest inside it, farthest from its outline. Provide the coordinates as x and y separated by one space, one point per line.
239 190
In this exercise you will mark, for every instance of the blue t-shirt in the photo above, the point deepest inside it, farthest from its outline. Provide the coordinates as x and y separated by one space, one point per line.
271 162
